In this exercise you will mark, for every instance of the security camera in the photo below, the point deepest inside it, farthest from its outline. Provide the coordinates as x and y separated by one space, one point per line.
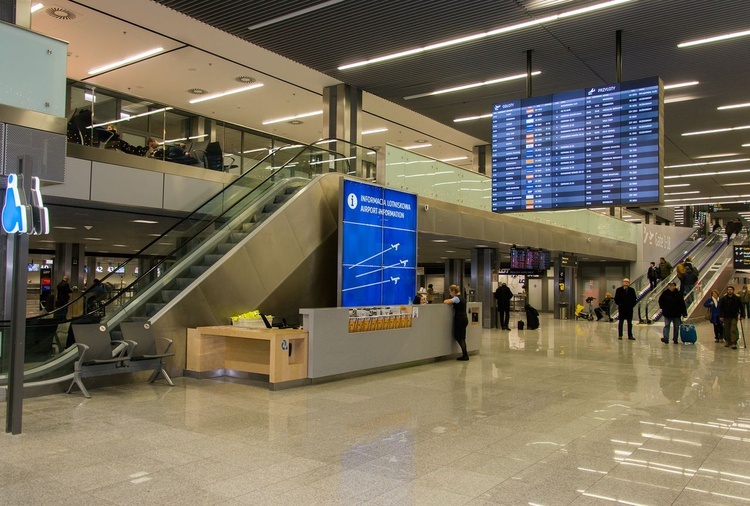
426 207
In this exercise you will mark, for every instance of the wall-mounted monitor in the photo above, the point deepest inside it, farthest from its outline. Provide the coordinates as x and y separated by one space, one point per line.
599 146
529 259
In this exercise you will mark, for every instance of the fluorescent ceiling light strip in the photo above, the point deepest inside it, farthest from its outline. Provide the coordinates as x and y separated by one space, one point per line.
454 159
225 93
718 130
700 174
472 118
680 85
294 14
36 7
706 163
417 146
197 136
717 156
256 150
733 106
290 118
125 61
714 39
682 193
695 199
155 111
332 160
477 36
737 184
473 85
673 186
374 131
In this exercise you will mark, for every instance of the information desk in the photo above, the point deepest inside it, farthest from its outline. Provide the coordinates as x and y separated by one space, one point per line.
281 354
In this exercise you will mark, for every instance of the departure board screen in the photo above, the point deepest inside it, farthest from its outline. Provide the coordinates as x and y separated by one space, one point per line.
599 146
529 259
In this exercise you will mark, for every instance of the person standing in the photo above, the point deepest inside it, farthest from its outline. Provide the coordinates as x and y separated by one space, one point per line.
63 297
730 310
626 300
665 269
744 296
653 275
712 303
460 320
688 280
503 296
430 294
673 307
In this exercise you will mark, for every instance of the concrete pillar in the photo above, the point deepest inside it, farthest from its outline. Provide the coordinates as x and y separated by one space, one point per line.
482 263
454 274
482 161
342 119
69 259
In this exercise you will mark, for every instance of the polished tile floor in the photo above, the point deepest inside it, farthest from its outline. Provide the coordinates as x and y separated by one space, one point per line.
563 415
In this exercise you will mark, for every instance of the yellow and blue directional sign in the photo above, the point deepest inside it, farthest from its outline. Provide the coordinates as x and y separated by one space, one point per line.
378 246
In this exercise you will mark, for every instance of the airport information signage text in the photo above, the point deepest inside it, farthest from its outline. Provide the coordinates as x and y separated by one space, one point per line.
598 146
741 256
378 246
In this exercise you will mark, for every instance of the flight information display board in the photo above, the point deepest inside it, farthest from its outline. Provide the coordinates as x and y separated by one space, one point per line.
741 256
599 146
529 259
377 246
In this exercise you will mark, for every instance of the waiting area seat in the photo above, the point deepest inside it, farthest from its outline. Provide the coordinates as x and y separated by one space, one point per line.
143 348
95 355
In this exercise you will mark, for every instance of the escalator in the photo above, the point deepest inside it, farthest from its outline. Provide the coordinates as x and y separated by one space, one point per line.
704 258
215 235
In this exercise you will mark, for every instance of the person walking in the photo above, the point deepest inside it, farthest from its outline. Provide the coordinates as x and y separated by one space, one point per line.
665 269
460 320
712 303
688 280
729 229
626 300
731 310
503 296
673 307
744 296
430 294
63 297
653 275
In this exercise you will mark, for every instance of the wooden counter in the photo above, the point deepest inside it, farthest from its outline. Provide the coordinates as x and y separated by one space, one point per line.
281 354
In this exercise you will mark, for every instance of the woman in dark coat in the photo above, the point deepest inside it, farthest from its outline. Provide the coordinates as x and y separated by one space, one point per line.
460 320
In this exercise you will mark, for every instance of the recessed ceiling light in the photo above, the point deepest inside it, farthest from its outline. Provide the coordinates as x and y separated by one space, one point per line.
733 106
294 14
421 141
120 245
197 91
473 85
126 61
36 7
680 85
472 118
225 93
65 228
718 162
92 238
716 156
245 79
714 39
289 118
482 246
374 131
296 122
154 235
450 251
439 240
150 222
498 31
418 146
717 130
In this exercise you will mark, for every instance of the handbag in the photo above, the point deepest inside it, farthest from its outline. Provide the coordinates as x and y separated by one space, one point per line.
708 315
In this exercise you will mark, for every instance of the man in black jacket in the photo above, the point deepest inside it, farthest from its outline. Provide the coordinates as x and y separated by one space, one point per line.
673 308
730 309
653 275
626 300
503 296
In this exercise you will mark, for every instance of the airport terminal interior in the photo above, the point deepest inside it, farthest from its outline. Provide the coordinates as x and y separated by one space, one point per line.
344 252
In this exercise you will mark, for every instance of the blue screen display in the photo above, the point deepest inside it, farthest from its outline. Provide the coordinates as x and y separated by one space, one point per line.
378 246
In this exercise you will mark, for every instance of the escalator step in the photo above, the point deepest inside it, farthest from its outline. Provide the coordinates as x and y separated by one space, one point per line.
291 190
153 307
278 199
168 295
211 259
182 283
270 208
197 270
225 247
236 237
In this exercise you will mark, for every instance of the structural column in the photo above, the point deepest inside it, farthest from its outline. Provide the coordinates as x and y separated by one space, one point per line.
454 274
482 263
70 259
342 119
483 159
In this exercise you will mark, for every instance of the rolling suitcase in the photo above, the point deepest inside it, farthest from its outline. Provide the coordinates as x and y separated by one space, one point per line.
520 324
688 333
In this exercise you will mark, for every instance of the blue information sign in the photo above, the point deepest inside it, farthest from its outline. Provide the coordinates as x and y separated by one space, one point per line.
378 238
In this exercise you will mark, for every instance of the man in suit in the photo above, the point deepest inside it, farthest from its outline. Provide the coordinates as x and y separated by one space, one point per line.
626 300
